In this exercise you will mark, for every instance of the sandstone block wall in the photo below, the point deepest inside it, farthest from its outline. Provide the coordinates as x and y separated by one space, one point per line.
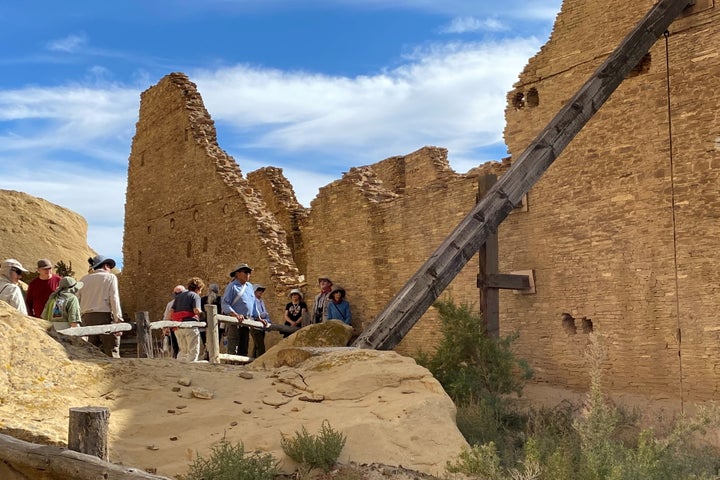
623 228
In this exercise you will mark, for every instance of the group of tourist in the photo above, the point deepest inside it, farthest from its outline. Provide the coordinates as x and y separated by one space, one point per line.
243 300
94 300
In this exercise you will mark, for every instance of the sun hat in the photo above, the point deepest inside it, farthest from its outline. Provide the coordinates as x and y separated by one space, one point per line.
324 278
69 283
295 290
259 287
178 289
338 289
242 266
98 261
12 263
44 263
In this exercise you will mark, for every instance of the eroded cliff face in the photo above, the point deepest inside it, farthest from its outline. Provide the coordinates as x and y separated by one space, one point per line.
32 228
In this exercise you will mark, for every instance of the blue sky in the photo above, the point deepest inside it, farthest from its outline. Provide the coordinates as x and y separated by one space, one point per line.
314 87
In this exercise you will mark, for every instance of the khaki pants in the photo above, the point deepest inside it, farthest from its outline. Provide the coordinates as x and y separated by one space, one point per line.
109 344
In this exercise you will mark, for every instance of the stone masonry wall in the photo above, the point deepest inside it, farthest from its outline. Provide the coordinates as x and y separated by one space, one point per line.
622 229
189 212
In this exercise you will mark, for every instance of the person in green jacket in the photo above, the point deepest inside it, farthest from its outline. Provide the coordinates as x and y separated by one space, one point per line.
63 305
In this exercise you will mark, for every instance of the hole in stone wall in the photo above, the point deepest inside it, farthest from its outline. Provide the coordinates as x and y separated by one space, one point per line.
568 324
533 98
642 67
149 229
518 100
139 257
142 159
172 223
205 244
186 135
587 326
189 249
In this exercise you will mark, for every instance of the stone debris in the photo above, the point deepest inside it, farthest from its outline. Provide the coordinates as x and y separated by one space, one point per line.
246 375
202 393
184 381
275 400
313 398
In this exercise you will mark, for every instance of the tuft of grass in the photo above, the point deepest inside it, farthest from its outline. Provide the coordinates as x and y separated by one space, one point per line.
230 462
315 451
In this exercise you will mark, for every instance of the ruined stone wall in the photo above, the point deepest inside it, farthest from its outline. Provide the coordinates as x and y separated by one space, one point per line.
189 211
622 229
371 230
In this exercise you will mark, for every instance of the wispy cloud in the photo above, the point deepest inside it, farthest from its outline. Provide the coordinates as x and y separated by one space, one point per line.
472 24
451 95
68 44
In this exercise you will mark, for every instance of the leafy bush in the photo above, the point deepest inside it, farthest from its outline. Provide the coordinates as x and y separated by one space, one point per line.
229 462
315 451
63 269
468 363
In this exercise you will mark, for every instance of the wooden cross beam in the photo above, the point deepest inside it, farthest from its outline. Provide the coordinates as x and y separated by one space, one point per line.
489 281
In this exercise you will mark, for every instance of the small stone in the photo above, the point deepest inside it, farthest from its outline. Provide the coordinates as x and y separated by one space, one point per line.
153 447
233 424
184 381
314 398
246 375
247 411
202 393
175 389
238 402
180 407
170 410
173 438
152 470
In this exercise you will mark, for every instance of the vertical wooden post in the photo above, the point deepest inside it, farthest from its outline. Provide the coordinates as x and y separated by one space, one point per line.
212 343
88 431
144 335
489 264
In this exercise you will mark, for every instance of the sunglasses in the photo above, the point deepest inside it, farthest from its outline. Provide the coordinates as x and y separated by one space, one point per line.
16 270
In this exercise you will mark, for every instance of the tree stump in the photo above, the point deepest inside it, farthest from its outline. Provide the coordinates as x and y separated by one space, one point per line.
88 431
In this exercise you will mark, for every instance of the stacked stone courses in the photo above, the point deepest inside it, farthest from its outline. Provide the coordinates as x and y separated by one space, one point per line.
617 230
621 232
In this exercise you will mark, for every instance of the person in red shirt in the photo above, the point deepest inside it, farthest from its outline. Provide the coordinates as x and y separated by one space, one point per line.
41 287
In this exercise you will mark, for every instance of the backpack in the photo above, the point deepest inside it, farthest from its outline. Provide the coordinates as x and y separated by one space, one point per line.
54 310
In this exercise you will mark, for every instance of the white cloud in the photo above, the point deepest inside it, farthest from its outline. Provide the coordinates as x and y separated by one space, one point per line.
450 95
472 24
69 44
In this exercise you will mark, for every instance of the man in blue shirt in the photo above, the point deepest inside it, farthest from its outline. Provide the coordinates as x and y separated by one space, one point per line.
238 301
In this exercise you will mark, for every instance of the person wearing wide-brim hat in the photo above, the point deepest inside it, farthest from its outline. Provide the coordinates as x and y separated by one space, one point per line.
295 311
100 303
238 300
63 304
321 299
338 308
10 292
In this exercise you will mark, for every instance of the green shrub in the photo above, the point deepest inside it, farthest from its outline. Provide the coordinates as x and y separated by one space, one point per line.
229 462
468 363
315 451
63 269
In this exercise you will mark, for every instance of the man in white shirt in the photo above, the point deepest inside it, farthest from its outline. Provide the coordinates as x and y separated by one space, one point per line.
100 303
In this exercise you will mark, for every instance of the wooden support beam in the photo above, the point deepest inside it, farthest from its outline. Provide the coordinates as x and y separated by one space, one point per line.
96 329
45 461
212 336
88 431
174 324
144 335
505 280
426 285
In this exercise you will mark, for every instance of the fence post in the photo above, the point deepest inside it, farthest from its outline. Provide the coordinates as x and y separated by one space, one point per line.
88 431
211 334
144 335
